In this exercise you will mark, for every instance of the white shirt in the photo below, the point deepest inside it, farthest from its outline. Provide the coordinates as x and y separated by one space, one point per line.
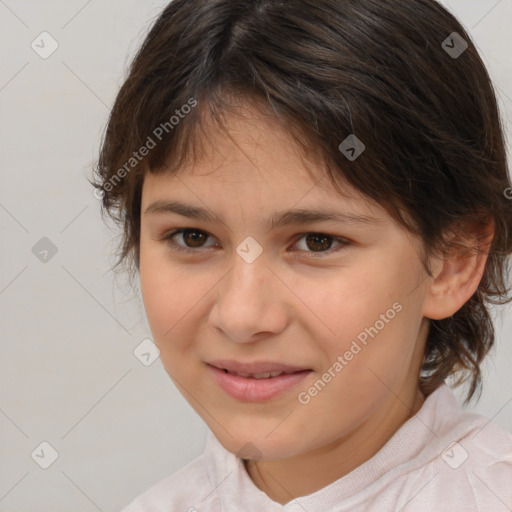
419 469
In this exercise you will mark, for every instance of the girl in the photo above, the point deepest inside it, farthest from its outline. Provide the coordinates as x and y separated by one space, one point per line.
314 194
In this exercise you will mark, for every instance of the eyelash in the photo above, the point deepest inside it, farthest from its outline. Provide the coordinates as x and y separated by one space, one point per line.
176 247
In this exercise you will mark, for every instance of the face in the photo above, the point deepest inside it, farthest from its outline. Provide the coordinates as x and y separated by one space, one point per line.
341 299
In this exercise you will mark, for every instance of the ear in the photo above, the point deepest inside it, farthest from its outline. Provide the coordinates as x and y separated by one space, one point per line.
458 273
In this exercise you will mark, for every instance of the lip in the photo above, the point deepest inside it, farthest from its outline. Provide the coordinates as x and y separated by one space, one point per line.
249 389
255 367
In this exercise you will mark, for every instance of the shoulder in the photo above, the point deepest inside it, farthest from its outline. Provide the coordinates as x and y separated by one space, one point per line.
180 491
474 469
456 460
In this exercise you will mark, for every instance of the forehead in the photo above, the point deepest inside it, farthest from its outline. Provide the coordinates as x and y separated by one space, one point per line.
250 141
252 156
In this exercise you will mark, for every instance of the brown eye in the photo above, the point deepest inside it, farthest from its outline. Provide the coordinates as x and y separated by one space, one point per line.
194 238
319 242
191 239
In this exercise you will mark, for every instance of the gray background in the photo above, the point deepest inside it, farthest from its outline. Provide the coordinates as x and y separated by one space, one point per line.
69 375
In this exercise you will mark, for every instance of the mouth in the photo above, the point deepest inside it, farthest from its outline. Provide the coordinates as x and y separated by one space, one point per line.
264 375
256 382
257 369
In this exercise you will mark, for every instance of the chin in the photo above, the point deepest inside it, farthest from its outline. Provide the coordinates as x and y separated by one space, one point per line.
251 444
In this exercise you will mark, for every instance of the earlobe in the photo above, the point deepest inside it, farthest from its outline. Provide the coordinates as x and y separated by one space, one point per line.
456 276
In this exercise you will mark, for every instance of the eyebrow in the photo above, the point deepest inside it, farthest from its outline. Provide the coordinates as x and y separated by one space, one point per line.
279 219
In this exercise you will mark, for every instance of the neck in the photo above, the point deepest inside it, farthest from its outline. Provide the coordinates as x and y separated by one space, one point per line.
285 479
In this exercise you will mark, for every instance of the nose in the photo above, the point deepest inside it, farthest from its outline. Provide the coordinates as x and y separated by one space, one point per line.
250 302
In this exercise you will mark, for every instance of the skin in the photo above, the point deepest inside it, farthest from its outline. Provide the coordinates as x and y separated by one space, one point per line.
290 306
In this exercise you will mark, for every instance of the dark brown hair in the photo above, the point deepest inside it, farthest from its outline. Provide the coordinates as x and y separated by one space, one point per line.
384 70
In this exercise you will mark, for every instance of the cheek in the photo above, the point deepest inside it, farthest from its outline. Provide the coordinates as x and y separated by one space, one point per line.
342 305
166 302
370 319
164 292
174 298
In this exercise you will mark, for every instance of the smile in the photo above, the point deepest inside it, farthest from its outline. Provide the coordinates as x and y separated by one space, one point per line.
265 375
256 387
